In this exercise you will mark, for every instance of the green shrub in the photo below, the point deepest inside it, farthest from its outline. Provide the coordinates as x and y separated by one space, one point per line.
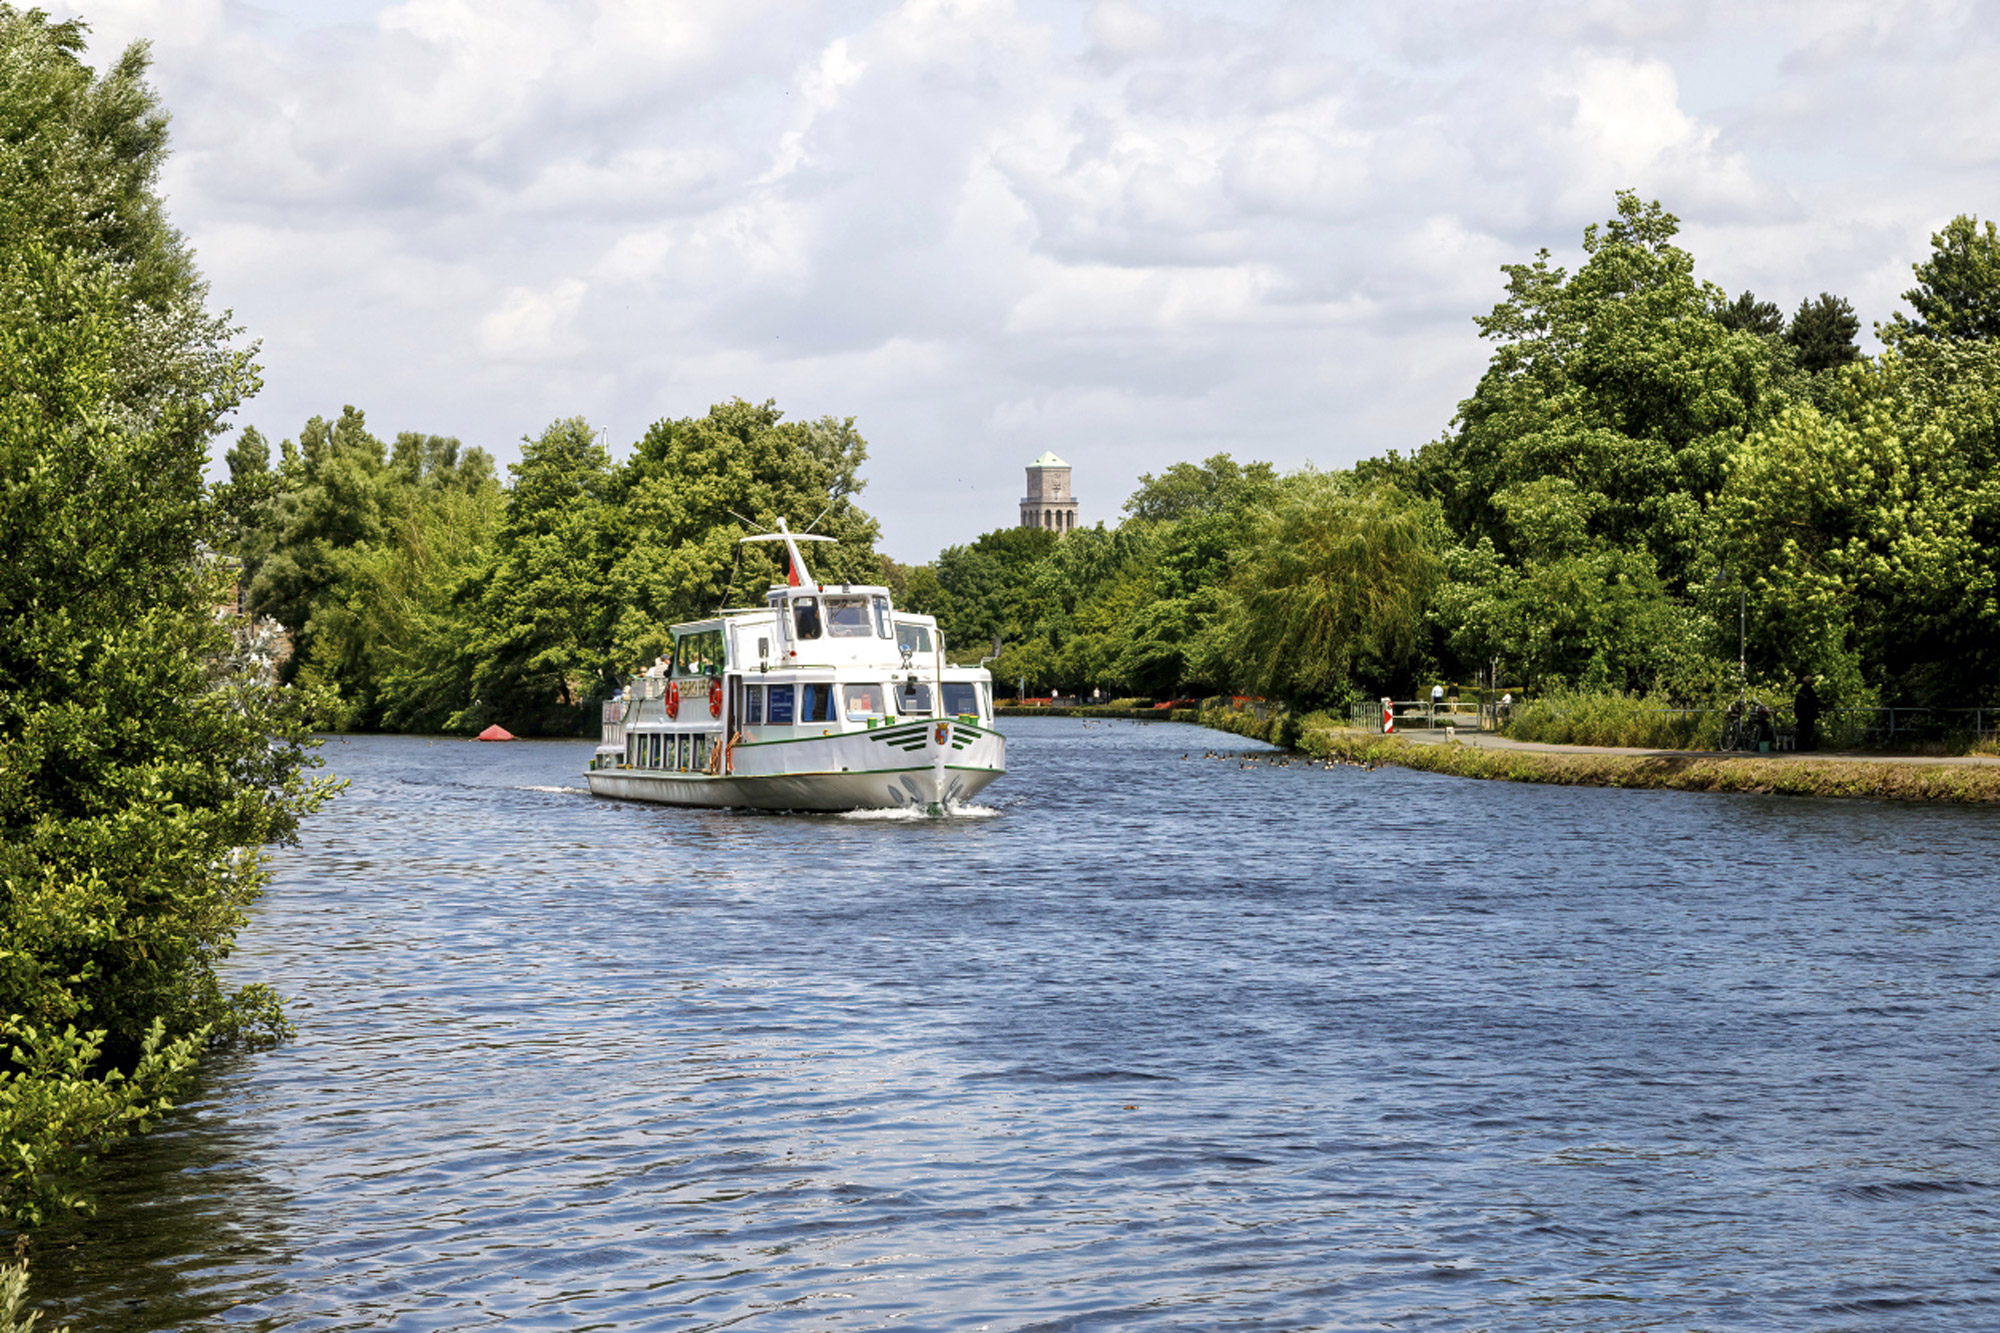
1648 722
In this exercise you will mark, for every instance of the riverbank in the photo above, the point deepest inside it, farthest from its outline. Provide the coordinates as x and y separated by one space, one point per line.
1972 780
1127 714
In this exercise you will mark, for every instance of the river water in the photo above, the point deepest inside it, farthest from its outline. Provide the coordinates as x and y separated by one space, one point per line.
1154 1040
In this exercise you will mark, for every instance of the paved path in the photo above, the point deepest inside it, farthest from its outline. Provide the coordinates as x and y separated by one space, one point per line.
1487 741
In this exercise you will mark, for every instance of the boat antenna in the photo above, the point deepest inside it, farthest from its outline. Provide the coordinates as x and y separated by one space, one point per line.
822 514
797 575
751 522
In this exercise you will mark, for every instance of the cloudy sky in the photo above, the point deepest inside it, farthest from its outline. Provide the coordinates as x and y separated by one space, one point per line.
1131 232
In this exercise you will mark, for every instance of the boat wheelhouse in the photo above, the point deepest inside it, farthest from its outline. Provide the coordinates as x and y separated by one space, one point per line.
824 698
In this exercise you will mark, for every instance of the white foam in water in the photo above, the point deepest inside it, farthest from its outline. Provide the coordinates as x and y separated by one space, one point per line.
909 813
560 791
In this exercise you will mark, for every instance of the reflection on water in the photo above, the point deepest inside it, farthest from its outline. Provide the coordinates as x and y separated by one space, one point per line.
1160 1040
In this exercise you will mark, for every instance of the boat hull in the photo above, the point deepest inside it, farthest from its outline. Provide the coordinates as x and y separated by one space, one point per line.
913 765
888 790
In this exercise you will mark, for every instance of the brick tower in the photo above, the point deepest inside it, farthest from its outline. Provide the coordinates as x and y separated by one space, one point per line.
1049 503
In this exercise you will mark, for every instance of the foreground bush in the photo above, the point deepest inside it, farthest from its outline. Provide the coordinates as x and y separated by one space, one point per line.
141 763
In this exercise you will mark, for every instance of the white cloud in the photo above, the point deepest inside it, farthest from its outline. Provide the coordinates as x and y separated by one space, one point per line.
1133 232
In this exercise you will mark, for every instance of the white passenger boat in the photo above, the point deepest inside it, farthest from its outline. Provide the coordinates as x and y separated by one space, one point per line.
824 698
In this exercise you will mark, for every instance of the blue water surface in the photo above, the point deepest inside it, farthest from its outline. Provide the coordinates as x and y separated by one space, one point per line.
1158 1038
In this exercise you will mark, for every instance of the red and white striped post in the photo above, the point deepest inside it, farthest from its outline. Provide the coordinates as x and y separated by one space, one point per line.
1388 716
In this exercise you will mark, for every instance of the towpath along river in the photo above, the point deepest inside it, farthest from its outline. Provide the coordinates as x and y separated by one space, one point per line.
1155 1040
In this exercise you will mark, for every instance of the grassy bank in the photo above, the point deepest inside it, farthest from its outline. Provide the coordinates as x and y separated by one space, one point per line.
1791 775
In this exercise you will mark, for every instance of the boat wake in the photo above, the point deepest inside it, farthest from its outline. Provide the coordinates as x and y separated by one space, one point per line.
914 814
559 791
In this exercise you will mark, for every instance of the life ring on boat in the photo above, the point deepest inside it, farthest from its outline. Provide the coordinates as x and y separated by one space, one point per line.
944 733
714 699
673 698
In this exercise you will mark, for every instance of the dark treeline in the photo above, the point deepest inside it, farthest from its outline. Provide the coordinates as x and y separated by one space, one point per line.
421 594
1644 457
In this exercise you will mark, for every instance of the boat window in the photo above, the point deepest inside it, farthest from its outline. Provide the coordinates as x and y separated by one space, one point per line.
699 759
864 701
912 699
753 712
882 625
815 703
698 653
847 617
912 638
961 698
805 616
781 705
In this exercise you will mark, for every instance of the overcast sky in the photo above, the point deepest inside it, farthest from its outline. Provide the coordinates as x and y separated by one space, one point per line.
1130 232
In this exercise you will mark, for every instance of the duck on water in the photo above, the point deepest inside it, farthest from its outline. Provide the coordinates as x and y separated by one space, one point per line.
824 698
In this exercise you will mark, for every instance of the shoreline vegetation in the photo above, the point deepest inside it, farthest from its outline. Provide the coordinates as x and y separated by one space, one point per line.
1889 778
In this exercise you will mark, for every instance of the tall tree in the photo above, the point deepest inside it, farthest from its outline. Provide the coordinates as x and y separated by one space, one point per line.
1822 332
1958 288
1334 586
547 605
1751 315
139 774
684 496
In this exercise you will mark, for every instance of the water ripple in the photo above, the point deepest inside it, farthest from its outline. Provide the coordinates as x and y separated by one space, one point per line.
1218 1043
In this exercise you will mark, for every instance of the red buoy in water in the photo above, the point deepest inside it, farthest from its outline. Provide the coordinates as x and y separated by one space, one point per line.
496 732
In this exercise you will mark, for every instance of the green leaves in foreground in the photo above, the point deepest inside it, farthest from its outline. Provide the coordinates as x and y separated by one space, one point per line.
141 771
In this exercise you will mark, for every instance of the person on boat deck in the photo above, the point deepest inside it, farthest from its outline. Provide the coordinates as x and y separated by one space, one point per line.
658 669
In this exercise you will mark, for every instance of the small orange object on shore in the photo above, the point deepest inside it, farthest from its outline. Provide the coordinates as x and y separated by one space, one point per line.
496 732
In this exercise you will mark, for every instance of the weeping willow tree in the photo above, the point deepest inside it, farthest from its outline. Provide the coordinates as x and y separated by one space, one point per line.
1332 587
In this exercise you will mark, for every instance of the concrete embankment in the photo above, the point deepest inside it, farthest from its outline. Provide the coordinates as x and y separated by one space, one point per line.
1972 779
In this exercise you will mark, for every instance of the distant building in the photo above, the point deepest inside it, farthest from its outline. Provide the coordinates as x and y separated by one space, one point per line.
1049 503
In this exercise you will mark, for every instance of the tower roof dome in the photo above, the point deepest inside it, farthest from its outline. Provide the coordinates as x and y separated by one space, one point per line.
1048 459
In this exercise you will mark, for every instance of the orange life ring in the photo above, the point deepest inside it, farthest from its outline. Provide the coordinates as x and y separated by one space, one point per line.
673 698
944 733
714 700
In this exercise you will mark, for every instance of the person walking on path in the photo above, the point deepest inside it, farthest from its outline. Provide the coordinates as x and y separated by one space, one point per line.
1805 714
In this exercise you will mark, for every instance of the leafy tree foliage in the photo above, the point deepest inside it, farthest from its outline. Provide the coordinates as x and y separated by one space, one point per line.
1336 582
686 492
1751 315
1958 288
1822 333
139 773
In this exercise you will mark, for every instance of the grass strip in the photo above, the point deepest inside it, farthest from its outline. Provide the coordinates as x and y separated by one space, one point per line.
1792 775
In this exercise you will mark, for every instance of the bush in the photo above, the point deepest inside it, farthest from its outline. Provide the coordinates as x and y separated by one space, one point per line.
1648 722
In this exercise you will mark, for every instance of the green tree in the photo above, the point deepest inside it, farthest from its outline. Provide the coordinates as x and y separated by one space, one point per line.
1822 332
1619 380
1333 588
679 498
1958 288
1751 315
139 775
546 606
1219 486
